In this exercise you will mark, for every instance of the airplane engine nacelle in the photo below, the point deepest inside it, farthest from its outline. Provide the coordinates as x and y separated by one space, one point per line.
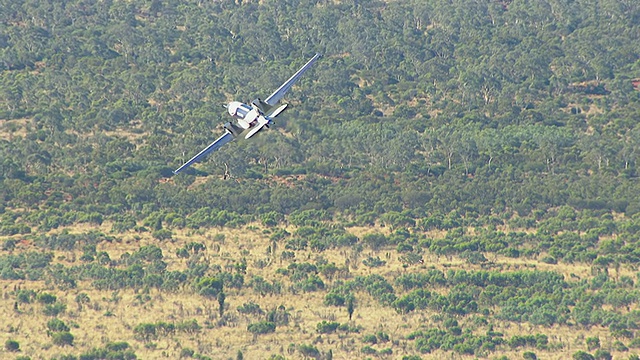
262 123
234 130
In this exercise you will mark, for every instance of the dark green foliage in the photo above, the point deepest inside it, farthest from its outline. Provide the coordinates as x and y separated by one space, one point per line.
250 308
263 287
311 283
162 234
11 345
279 316
25 296
221 299
334 299
9 245
209 287
372 339
271 218
263 327
188 327
375 241
592 343
350 306
57 325
350 329
46 298
308 350
619 346
186 353
62 338
373 262
26 265
462 342
150 331
146 331
325 327
368 350
115 350
54 309
581 355
602 354
377 287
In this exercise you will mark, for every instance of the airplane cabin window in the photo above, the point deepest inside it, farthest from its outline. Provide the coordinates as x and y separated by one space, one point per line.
242 111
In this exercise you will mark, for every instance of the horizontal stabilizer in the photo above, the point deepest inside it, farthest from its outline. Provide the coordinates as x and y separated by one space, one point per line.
227 137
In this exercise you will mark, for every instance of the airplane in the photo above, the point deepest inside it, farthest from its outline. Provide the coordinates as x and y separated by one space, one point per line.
251 117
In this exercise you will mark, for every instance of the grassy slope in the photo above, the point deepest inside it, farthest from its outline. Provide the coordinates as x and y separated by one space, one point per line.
95 328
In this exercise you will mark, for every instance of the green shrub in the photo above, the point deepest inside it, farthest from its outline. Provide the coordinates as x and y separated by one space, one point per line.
12 345
263 327
63 338
325 327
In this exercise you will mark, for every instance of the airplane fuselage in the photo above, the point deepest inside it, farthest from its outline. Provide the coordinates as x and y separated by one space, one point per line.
250 118
246 115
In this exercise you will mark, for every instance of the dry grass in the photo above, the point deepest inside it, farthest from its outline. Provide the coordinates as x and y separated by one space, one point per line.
10 129
112 316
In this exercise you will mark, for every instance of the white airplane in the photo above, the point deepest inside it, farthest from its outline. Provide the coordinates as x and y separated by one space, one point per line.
252 117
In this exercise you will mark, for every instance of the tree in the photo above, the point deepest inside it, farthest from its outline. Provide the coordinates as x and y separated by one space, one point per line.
221 298
350 306
145 331
209 287
375 241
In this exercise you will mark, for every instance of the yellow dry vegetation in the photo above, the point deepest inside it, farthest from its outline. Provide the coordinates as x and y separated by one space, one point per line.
10 129
111 316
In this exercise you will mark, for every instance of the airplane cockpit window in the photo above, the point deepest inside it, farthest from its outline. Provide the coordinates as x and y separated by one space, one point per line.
243 110
238 109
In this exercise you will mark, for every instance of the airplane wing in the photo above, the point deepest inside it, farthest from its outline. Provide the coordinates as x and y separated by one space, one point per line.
227 137
279 94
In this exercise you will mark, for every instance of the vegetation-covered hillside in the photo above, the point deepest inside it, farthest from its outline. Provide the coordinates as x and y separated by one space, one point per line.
464 168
